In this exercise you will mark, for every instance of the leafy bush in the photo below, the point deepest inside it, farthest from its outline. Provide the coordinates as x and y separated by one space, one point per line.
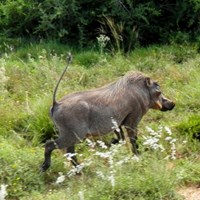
17 169
187 172
18 17
88 59
20 167
190 127
36 125
127 23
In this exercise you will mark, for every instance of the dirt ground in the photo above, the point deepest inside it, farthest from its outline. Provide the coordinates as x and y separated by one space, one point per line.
190 193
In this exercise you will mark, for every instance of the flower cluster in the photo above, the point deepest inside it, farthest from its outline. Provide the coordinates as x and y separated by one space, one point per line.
102 42
61 178
109 155
172 142
115 125
152 140
161 140
3 192
99 150
3 79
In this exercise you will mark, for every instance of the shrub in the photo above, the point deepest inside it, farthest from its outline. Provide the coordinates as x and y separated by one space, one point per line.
18 17
190 127
127 23
20 167
88 59
35 125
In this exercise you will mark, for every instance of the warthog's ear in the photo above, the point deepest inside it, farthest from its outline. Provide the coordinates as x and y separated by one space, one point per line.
148 81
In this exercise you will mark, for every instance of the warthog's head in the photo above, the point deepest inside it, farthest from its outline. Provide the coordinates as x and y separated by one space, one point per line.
157 99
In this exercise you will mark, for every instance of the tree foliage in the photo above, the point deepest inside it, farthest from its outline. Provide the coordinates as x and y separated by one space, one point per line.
128 23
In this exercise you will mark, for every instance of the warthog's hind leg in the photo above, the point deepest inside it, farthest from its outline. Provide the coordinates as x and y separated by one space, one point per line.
49 147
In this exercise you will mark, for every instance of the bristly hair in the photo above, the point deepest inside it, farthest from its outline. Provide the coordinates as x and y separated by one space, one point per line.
119 87
115 90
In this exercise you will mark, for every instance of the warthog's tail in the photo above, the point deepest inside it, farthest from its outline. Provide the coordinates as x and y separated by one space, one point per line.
69 60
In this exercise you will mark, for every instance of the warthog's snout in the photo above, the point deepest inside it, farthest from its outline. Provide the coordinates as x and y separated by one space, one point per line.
157 100
167 104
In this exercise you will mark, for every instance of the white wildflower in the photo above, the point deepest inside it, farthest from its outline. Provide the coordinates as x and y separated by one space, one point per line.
81 195
103 154
3 192
72 172
102 40
123 161
61 178
173 153
173 141
168 130
102 144
76 170
115 125
70 155
3 79
111 162
111 178
151 131
167 157
87 162
90 143
150 141
100 174
135 158
115 148
168 138
162 149
80 167
121 142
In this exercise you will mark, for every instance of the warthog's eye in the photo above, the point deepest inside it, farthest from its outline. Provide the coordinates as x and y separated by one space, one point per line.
158 92
157 86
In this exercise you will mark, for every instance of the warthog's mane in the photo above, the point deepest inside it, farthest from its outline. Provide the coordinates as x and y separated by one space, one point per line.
120 87
118 90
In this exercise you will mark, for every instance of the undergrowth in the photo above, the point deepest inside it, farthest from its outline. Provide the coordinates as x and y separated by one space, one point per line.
28 75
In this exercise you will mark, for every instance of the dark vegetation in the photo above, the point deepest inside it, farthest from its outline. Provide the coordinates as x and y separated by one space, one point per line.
128 23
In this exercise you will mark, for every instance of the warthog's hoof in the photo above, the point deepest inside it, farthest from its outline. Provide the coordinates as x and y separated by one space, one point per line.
44 167
114 141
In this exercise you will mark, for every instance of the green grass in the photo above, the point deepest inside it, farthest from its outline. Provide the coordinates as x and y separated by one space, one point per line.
31 72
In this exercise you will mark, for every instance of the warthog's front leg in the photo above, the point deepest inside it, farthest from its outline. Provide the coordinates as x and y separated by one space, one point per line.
73 159
132 134
120 136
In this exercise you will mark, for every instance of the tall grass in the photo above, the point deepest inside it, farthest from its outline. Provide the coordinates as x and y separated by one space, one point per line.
28 76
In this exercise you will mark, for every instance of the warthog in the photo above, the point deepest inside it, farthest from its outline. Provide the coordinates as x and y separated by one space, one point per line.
90 113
